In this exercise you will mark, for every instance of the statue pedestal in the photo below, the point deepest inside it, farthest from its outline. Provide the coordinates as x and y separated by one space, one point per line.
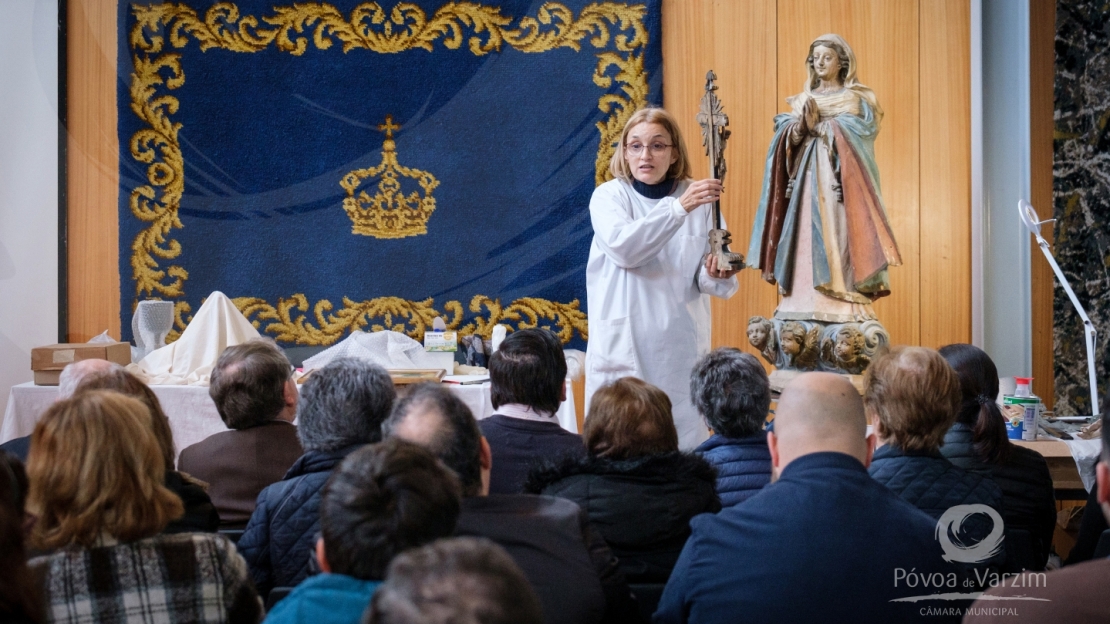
779 379
799 346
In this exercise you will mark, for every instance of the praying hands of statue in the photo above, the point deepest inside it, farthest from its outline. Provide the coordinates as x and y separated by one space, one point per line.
712 270
808 122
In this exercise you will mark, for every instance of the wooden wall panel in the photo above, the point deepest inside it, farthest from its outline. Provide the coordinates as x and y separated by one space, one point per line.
884 37
93 170
1042 35
908 50
737 41
945 225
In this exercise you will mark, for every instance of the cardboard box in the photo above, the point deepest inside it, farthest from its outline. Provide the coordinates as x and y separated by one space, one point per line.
47 362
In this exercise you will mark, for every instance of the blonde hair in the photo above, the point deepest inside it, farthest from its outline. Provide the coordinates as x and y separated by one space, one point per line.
914 394
630 418
680 169
128 384
95 468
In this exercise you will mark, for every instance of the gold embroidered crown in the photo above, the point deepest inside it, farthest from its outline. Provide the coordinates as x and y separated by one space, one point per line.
389 213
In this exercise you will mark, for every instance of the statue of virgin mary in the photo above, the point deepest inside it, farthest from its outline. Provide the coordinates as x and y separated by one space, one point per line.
821 231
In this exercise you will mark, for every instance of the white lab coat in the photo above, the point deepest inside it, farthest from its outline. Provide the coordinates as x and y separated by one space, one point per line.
648 296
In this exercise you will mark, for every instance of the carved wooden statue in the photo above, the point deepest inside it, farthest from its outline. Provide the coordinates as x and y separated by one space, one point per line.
714 134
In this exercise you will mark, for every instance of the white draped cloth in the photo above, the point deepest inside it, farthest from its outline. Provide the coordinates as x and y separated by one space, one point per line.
189 361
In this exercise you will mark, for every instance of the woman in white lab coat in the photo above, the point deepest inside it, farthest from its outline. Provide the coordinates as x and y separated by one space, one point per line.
649 278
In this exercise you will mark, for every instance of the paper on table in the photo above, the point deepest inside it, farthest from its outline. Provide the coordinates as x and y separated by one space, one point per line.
218 324
466 380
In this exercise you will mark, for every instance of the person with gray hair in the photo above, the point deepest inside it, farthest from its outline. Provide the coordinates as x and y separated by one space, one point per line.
254 392
730 390
342 407
71 377
464 580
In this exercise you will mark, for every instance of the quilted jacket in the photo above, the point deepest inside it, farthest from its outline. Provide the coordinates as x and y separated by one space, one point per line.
928 481
1028 499
642 506
743 465
280 538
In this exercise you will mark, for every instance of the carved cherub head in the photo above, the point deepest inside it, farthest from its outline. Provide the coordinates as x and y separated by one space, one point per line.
793 335
759 331
849 344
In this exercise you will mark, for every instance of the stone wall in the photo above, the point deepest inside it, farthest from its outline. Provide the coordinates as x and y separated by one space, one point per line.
1081 194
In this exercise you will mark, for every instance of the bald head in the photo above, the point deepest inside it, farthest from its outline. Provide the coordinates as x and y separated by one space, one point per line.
819 412
73 374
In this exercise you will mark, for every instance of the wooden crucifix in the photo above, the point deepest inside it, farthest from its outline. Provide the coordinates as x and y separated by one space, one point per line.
714 135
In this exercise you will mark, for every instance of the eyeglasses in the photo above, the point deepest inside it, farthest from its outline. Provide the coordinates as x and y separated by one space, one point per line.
655 148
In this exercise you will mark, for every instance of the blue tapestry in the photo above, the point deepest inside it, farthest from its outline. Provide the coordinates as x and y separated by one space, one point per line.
343 166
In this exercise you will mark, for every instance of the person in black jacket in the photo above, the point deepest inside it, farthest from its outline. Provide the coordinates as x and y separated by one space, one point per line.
978 442
341 409
911 396
733 395
571 568
638 490
527 377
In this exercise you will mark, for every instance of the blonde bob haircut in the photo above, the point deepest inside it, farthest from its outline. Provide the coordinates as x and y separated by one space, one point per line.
95 469
680 169
912 395
629 418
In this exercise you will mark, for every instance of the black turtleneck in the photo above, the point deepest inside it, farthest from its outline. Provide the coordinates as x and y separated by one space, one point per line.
658 190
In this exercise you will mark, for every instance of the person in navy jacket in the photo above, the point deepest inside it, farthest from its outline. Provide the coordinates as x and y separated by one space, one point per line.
730 390
823 543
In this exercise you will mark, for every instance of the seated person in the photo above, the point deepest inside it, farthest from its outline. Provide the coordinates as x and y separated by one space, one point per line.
70 376
381 500
200 514
341 408
730 390
977 442
527 377
1072 595
822 543
572 570
20 602
96 475
638 490
911 397
451 581
254 392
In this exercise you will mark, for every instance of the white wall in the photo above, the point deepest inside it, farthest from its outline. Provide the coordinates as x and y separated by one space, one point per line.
28 185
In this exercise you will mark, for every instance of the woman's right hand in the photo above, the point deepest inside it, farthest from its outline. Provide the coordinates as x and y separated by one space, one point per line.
701 192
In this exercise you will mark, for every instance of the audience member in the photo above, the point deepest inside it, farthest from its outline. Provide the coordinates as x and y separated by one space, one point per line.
464 580
571 568
1072 594
730 390
977 442
254 392
20 602
70 376
341 408
96 474
638 490
380 501
823 543
527 383
911 397
200 513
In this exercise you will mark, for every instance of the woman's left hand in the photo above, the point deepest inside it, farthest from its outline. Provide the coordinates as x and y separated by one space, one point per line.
712 270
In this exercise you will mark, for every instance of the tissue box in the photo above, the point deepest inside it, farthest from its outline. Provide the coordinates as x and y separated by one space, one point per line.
47 362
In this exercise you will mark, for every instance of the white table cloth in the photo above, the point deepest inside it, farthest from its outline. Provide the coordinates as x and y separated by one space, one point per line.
193 416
